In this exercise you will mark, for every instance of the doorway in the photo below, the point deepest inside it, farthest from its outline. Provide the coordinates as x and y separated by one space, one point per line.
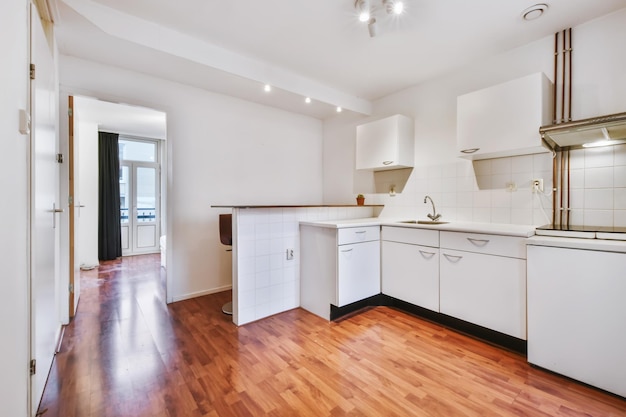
88 116
140 202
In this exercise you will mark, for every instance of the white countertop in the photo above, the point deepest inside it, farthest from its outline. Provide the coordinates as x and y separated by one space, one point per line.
468 227
576 243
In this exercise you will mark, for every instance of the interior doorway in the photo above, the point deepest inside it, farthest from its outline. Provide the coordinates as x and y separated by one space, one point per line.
137 124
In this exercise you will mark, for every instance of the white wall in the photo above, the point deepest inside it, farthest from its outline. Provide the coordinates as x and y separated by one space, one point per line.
599 80
14 351
221 151
86 136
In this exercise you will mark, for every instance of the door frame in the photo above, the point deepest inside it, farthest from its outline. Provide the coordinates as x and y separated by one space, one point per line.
165 147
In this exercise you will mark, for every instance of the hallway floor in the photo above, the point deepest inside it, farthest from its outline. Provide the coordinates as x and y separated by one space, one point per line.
127 353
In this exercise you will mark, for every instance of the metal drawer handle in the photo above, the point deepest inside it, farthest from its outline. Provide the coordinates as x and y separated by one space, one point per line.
453 258
387 162
361 231
427 255
347 250
471 150
478 242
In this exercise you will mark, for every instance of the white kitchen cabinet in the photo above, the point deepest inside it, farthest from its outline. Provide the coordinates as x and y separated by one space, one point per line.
410 271
385 144
358 272
504 120
482 283
577 314
338 266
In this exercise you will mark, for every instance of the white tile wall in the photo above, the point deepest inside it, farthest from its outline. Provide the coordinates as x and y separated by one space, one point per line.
477 191
264 281
598 186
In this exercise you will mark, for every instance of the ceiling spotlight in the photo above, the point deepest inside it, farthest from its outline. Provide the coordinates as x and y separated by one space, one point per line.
339 109
372 28
307 100
267 88
393 6
363 8
534 12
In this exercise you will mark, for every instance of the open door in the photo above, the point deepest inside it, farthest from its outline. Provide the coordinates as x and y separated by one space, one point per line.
45 207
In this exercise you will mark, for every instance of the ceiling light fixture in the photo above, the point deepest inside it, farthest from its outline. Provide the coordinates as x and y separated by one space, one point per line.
393 6
307 100
267 88
366 12
534 12
363 7
339 109
372 28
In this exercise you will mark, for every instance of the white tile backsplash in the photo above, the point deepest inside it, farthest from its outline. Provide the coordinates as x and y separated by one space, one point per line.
619 154
481 192
599 157
599 177
619 176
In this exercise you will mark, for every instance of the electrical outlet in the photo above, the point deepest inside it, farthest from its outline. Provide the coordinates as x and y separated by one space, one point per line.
537 185
511 186
289 254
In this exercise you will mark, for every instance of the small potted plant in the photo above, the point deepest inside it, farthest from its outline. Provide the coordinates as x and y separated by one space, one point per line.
360 200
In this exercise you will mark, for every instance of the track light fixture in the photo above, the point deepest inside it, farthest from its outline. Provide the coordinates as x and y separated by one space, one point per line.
393 6
366 12
363 8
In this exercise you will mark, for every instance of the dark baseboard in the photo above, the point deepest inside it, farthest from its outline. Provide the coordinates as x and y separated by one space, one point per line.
470 329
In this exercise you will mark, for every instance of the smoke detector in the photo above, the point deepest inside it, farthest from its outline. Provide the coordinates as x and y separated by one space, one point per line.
534 12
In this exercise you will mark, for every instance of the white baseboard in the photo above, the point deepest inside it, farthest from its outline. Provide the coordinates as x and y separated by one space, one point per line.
201 293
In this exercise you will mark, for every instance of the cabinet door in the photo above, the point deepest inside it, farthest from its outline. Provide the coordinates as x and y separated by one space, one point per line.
358 272
411 273
385 144
504 120
486 290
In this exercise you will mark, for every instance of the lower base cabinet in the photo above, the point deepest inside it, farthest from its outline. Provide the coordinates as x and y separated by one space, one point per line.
411 273
484 289
339 266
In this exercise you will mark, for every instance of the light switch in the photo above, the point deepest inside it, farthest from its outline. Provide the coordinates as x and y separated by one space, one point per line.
24 122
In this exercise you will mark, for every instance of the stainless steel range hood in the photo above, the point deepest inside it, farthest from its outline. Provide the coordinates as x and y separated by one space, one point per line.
596 131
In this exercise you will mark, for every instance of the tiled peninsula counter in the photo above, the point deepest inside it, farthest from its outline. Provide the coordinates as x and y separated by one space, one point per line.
265 282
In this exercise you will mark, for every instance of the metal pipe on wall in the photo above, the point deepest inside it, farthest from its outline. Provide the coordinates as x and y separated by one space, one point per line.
569 78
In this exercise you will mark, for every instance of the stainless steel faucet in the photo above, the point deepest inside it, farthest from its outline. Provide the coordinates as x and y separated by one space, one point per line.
434 217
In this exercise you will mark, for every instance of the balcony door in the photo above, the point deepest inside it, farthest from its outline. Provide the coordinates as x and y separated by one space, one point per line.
139 196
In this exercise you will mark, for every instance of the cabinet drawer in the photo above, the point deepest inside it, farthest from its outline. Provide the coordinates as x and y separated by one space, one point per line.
411 236
511 246
349 235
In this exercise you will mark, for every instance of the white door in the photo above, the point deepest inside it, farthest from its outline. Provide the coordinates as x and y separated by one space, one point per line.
139 205
45 208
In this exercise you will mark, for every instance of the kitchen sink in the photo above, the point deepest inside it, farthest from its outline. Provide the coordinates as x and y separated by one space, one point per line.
424 222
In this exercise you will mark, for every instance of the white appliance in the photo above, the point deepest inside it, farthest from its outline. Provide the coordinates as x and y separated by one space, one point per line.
576 305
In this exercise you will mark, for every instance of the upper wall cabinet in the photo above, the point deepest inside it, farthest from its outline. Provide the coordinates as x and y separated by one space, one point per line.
385 144
504 120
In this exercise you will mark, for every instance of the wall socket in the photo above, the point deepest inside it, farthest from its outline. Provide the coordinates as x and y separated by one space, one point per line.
289 254
537 185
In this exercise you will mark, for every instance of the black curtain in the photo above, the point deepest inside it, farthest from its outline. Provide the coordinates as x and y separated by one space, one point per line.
109 232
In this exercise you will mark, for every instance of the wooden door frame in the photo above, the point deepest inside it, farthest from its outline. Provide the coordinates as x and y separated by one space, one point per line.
72 216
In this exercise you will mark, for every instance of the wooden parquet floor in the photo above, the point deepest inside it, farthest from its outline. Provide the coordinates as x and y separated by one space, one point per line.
127 353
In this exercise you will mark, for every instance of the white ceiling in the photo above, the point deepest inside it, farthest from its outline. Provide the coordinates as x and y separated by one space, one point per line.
121 118
316 48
